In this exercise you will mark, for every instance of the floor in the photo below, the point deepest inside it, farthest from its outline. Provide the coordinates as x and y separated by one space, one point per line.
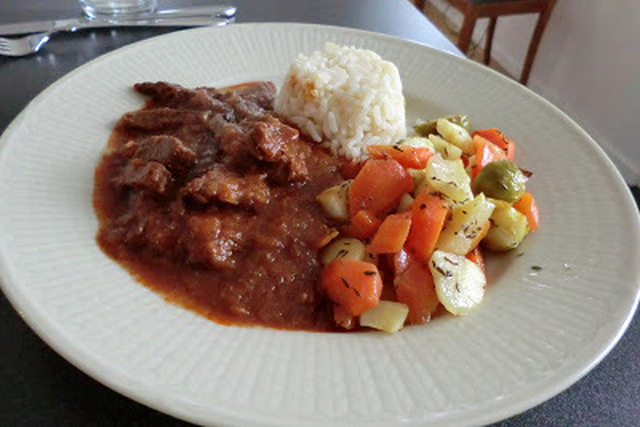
447 27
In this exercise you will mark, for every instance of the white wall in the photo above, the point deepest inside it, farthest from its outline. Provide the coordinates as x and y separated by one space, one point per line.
588 64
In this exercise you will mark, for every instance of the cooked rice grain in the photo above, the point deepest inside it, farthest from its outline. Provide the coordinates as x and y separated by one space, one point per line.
344 97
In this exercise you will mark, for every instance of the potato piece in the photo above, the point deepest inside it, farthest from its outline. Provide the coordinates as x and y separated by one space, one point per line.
343 247
447 150
467 226
387 316
508 227
447 177
457 135
335 201
460 283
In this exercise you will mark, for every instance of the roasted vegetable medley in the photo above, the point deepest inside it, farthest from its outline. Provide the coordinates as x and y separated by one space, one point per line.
414 221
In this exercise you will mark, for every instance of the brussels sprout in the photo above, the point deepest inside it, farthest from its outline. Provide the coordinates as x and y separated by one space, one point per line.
500 180
508 227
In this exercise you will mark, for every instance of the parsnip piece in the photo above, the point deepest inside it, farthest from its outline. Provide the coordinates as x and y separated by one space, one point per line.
405 202
467 226
387 316
460 283
335 201
427 128
372 258
447 177
470 163
419 176
417 141
343 247
457 135
508 227
447 150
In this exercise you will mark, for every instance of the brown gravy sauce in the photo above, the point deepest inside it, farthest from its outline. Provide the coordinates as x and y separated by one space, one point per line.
205 197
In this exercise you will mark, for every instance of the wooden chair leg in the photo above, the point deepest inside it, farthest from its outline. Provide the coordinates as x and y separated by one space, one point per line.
419 4
464 40
489 35
535 42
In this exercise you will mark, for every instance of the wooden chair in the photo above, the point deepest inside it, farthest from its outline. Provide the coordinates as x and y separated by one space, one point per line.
492 9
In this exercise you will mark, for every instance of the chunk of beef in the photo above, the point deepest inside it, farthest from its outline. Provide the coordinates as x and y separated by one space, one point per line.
244 109
280 144
158 119
165 149
150 176
233 139
223 185
176 96
250 101
153 231
213 242
261 93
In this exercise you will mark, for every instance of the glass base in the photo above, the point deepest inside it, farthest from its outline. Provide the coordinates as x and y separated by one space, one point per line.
106 8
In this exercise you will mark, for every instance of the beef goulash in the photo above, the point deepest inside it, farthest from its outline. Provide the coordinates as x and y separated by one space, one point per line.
208 198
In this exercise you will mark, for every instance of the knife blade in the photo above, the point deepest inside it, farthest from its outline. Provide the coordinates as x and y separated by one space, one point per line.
166 17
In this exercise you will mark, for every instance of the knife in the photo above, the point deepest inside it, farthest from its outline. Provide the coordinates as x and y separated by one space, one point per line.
166 17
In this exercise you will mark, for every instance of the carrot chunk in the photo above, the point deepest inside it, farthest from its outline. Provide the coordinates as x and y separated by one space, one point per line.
378 186
406 155
528 207
498 138
415 287
428 214
391 235
343 318
476 256
486 152
400 261
363 224
354 285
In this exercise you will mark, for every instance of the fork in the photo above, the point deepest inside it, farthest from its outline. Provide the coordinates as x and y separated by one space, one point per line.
30 44
23 46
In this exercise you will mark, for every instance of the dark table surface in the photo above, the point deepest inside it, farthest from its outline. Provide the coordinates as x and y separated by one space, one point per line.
38 387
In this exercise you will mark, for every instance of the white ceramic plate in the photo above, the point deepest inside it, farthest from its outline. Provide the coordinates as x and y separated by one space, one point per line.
536 333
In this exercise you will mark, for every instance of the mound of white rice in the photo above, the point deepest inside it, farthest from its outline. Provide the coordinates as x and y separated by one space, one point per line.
344 97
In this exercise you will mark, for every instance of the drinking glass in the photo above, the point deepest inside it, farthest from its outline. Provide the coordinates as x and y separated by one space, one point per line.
110 8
